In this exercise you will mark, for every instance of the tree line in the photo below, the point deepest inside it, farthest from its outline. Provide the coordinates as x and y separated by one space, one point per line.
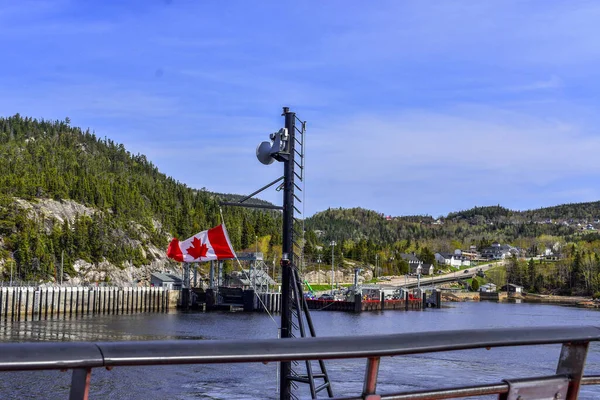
135 205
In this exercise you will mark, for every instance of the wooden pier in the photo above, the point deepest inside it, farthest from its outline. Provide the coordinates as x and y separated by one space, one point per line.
46 303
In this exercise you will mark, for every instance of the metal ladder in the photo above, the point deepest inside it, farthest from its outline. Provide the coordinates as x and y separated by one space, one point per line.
302 325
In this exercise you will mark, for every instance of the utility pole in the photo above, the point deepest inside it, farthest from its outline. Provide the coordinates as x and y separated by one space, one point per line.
332 265
376 265
319 267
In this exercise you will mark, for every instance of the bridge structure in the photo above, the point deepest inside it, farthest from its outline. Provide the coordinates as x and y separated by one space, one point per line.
457 276
426 281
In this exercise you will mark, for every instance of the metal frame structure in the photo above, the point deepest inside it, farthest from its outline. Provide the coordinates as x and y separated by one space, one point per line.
82 357
295 315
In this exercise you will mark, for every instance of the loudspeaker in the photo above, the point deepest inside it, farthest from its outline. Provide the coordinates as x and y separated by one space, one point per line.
266 150
263 153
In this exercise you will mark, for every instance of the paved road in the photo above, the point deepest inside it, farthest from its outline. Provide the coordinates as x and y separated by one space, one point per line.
444 277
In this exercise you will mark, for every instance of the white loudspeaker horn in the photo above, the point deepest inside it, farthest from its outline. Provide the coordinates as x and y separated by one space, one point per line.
263 153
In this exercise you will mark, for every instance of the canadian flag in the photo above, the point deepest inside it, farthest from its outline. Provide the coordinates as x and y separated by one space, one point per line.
212 244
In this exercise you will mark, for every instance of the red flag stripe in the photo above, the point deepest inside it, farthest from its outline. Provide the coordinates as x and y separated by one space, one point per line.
218 239
174 251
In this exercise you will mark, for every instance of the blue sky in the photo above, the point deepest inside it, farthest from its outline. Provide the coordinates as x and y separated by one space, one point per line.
413 107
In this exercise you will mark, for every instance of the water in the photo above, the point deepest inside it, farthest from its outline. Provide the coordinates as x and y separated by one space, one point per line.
258 381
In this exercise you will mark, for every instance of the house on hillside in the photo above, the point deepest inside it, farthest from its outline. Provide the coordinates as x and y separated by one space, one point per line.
421 269
471 254
414 264
453 260
427 269
498 252
411 259
415 269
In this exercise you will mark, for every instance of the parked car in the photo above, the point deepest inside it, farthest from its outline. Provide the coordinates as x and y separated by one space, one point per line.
465 271
326 296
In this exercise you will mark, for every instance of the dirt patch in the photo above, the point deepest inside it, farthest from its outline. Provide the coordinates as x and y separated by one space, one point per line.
460 296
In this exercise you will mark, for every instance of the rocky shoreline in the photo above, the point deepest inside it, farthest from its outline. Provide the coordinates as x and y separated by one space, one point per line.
584 302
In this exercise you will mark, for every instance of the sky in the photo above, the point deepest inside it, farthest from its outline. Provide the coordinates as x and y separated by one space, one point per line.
412 107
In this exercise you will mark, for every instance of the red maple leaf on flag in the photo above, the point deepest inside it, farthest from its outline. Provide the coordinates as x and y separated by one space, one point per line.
197 249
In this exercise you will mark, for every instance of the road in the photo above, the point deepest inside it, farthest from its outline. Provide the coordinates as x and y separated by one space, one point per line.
427 279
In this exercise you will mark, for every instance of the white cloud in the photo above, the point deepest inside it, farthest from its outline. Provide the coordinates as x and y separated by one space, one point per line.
478 152
408 103
554 82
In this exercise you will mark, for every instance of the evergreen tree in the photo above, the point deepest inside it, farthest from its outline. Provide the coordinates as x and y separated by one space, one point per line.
531 275
575 270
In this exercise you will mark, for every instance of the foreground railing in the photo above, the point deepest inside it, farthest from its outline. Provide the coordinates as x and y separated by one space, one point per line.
83 357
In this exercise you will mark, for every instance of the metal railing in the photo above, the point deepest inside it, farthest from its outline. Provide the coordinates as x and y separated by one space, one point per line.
84 356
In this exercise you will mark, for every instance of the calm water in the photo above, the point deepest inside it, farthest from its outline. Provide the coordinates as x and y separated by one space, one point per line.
249 381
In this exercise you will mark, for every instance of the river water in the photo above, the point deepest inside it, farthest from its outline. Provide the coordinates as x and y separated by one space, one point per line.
258 381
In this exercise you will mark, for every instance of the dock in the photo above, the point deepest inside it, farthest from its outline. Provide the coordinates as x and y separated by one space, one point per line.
47 303
247 300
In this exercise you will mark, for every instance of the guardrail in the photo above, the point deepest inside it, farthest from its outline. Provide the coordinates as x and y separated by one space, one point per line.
83 357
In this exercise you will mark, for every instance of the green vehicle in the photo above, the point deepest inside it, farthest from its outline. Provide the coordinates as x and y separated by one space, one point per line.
310 289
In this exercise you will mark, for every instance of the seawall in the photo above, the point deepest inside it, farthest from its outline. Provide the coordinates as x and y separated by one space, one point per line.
43 303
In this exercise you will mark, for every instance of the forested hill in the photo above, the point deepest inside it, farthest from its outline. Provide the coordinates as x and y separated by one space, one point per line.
493 223
127 210
134 204
575 212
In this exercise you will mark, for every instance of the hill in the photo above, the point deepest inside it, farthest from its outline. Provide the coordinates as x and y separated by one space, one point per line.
469 226
70 198
124 210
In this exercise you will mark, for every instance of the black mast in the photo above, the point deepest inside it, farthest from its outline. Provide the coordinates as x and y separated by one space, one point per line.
295 316
287 259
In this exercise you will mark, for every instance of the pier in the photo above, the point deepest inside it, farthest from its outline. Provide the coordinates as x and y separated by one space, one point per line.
46 303
235 298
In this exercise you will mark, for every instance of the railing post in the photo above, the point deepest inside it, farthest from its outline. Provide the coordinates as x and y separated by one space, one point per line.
370 384
571 363
80 384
